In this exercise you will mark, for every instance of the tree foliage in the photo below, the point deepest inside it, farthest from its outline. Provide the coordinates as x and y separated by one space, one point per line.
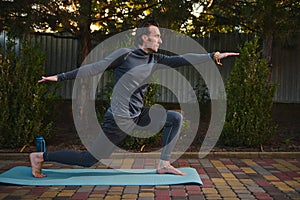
24 110
92 20
268 18
259 16
249 100
78 17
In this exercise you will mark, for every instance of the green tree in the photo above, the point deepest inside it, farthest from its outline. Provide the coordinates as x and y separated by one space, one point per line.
267 18
79 16
24 110
73 16
249 99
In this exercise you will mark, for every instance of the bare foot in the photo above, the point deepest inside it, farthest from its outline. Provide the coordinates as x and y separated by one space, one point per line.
169 169
36 161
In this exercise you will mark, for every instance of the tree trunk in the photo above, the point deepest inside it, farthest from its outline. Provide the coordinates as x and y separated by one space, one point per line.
268 50
84 23
85 43
268 47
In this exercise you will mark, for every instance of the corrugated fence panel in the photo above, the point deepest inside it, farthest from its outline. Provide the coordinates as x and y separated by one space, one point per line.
214 42
61 56
286 72
62 53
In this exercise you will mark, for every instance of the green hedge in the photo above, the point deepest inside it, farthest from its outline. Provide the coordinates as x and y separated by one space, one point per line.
250 98
25 104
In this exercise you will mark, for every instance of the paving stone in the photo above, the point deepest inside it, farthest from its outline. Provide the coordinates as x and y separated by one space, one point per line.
248 170
162 198
98 192
283 187
206 163
145 198
261 170
227 193
293 195
20 192
146 194
223 187
131 190
211 170
67 193
240 176
214 175
194 161
98 196
271 178
245 196
112 197
213 196
228 176
242 191
80 195
224 171
147 189
179 198
162 187
178 193
196 197
162 192
49 194
30 197
204 176
85 189
255 189
263 182
3 195
209 191
207 183
193 188
261 195
129 196
194 192
200 171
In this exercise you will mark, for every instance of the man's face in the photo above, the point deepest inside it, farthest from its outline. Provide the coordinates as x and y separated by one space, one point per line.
152 41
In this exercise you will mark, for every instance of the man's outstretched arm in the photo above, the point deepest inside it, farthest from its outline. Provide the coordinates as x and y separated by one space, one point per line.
48 78
110 62
193 58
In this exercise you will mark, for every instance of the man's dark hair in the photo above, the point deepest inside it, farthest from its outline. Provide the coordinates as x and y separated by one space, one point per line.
143 29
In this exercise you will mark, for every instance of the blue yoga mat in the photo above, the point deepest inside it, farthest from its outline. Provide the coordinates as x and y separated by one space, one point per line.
21 175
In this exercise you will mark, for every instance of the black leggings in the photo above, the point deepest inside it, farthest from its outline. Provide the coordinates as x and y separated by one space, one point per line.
116 135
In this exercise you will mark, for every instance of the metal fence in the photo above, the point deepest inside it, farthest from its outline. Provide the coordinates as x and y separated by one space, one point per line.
62 53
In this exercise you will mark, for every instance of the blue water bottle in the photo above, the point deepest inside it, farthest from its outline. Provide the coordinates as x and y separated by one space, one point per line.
40 144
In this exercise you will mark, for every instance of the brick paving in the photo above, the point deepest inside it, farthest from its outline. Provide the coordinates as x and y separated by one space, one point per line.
223 178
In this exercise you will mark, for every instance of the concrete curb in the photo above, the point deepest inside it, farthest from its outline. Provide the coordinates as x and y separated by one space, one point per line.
186 155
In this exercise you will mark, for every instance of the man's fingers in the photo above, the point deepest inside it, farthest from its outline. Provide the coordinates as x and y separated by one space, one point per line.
235 54
42 80
224 55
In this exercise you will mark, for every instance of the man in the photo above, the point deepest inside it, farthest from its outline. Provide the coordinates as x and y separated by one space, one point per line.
127 112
